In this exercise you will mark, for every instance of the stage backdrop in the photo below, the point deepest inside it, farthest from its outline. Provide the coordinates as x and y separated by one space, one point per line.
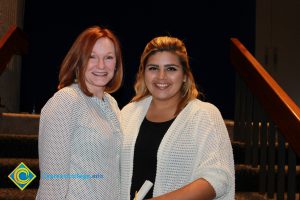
206 27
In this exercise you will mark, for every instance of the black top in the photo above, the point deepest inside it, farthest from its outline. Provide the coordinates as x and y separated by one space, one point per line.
145 153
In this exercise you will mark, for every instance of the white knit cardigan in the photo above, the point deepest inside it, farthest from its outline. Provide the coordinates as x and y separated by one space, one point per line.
195 146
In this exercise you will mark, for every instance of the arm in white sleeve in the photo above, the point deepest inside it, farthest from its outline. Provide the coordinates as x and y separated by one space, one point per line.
216 164
56 127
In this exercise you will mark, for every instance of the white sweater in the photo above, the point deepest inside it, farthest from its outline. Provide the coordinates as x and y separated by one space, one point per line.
195 146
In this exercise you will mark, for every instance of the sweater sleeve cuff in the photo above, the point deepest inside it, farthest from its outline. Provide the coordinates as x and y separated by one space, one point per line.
218 180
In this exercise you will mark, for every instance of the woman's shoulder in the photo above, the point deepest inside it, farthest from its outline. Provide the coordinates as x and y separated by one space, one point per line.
199 106
205 114
64 97
69 91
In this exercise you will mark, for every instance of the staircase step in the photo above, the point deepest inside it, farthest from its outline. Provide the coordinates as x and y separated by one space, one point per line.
238 152
247 177
17 194
249 196
18 123
18 146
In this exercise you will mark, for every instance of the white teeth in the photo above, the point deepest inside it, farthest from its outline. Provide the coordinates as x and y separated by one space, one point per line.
162 85
100 73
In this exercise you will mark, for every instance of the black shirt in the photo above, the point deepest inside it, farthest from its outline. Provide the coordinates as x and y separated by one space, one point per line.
145 153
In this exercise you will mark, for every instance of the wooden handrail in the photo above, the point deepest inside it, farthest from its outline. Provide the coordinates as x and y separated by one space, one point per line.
13 42
280 107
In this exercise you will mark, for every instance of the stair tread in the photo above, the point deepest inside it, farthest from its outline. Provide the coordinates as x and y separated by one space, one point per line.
16 136
249 196
16 161
17 194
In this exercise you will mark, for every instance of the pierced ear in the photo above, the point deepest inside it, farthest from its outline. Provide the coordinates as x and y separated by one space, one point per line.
184 79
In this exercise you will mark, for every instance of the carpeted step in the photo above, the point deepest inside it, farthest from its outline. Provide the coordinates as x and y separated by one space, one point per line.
249 196
17 194
239 152
18 146
18 123
247 177
238 149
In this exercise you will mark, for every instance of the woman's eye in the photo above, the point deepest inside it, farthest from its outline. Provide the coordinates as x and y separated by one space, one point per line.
152 68
171 69
109 57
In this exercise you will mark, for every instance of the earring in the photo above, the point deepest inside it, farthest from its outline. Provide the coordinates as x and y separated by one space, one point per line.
76 75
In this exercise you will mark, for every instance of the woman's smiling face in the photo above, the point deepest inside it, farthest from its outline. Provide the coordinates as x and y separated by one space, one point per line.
101 65
164 76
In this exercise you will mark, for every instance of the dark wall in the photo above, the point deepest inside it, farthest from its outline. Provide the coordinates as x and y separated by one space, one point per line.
206 28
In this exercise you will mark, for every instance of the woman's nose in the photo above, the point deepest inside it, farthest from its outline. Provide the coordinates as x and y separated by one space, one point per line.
100 64
162 74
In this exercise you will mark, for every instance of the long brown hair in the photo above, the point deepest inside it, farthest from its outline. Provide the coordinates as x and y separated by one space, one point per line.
75 63
173 45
